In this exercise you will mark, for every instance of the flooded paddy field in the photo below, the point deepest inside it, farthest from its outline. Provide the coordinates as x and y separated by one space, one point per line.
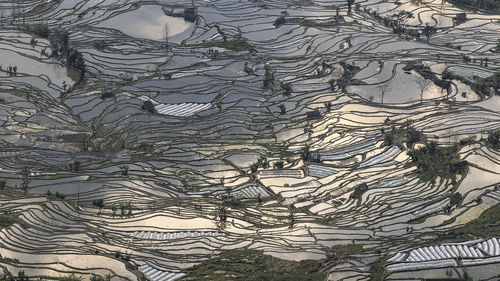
141 140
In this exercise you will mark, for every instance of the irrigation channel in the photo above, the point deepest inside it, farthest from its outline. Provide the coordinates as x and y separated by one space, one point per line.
141 138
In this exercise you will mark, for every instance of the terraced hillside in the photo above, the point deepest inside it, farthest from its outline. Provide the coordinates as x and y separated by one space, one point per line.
323 140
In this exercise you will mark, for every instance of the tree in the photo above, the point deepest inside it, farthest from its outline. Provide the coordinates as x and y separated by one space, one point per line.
41 30
493 138
291 216
60 195
220 216
279 164
154 205
428 31
130 206
282 109
98 203
268 76
263 162
71 277
306 151
287 89
349 5
254 167
328 106
332 84
124 169
75 166
3 184
26 180
63 40
123 206
75 59
113 209
21 276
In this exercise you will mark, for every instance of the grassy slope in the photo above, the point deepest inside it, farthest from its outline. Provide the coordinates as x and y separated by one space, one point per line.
487 225
253 265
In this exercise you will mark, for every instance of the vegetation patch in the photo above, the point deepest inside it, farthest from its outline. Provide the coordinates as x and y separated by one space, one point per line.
21 276
488 5
320 23
7 220
399 135
377 270
493 139
484 87
432 161
339 252
253 265
61 176
61 47
236 45
488 222
39 29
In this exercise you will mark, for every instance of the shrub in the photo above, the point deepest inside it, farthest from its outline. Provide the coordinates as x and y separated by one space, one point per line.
282 108
98 203
280 21
96 278
279 164
60 195
493 139
75 166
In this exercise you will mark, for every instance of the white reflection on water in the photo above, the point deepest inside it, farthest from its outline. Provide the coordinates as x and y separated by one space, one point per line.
148 22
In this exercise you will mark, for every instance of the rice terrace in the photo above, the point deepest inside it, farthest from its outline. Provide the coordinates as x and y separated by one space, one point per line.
166 140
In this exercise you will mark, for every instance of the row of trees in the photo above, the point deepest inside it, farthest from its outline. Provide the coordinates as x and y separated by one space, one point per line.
467 59
11 70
